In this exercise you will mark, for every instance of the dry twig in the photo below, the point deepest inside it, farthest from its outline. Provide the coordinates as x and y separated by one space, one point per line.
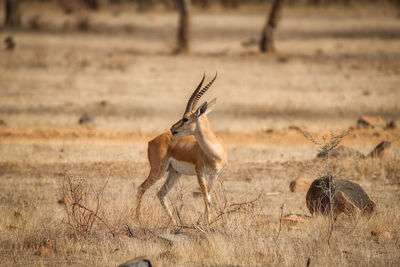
236 207
280 222
82 204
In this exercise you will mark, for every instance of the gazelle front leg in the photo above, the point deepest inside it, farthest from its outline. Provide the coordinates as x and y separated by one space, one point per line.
210 184
207 200
173 177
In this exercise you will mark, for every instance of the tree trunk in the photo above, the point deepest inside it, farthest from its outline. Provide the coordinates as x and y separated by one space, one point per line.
230 3
169 4
267 37
183 27
144 5
92 4
12 18
204 4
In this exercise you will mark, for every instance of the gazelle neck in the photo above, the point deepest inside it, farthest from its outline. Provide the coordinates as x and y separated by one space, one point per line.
207 139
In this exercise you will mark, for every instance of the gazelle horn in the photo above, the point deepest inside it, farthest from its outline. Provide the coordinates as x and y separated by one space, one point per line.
203 91
192 98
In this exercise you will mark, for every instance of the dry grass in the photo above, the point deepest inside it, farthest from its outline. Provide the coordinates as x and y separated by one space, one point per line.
32 219
332 67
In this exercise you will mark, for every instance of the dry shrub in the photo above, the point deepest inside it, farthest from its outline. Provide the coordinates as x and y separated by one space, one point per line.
327 144
229 214
244 237
224 209
83 205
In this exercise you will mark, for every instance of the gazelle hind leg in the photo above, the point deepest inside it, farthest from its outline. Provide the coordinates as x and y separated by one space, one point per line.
173 177
159 162
154 176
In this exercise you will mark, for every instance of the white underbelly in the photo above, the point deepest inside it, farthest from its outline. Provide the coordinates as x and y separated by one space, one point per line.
183 167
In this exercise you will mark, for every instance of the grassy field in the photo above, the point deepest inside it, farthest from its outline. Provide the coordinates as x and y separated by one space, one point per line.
332 66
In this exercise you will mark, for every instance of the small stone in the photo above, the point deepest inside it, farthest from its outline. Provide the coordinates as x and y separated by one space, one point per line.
294 127
86 118
366 92
173 238
380 149
197 194
43 251
13 228
381 235
370 122
137 262
300 185
391 125
379 232
319 51
283 59
10 44
292 219
64 200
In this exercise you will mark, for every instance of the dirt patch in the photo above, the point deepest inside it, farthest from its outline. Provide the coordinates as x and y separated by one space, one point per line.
285 137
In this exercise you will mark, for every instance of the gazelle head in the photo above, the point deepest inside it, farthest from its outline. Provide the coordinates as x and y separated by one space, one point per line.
187 125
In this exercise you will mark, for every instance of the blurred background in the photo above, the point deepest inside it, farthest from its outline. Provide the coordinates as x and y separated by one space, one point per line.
87 68
121 64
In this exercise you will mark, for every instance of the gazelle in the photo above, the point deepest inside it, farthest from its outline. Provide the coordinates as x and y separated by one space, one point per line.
190 147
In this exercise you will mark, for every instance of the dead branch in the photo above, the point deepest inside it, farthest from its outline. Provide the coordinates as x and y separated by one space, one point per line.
82 204
96 216
280 222
236 207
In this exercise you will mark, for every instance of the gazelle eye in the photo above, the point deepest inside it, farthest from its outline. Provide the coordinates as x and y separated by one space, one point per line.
184 119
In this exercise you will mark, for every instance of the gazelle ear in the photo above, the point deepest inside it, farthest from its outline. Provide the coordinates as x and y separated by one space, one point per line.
202 109
206 107
211 105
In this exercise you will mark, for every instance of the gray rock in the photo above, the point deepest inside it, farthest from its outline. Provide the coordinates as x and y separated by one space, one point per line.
137 262
348 198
